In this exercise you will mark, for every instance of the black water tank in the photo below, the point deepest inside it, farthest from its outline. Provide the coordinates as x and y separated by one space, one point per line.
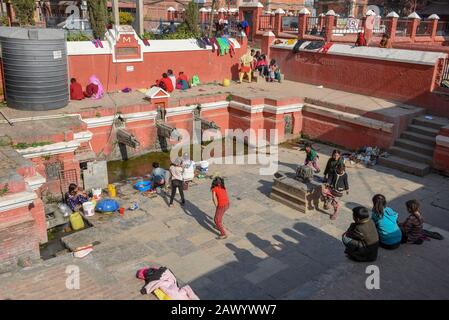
35 68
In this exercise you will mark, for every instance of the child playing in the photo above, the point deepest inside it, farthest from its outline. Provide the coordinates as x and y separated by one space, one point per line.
338 183
273 70
221 202
311 158
361 239
412 227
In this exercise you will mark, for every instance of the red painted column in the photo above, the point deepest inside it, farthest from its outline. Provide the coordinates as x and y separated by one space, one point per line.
413 23
267 40
329 25
279 13
434 18
392 25
302 23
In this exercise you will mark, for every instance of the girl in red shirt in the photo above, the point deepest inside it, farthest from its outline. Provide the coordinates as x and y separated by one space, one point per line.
221 202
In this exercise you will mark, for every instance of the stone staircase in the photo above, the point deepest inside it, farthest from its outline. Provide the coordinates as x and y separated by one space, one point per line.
413 151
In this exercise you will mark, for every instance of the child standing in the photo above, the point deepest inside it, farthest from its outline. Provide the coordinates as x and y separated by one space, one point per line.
338 183
221 201
412 227
361 239
332 163
273 71
311 158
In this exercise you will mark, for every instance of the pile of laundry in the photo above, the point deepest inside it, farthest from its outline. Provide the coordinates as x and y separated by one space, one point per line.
317 46
161 282
366 156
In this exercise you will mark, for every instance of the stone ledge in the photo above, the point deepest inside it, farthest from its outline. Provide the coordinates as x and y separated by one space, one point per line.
17 200
349 117
442 141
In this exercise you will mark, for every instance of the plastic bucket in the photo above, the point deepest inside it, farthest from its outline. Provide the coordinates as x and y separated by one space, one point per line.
111 190
76 221
226 82
89 209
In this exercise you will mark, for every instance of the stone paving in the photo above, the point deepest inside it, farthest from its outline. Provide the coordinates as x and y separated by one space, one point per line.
273 252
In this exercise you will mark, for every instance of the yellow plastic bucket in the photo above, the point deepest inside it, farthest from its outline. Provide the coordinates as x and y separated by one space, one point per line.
111 190
76 221
226 82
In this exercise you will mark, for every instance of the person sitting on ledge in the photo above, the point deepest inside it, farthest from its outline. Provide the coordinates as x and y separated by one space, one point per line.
165 83
182 83
76 91
385 41
172 77
75 197
94 89
361 41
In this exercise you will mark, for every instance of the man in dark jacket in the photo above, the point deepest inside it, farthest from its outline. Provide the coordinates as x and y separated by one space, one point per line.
361 239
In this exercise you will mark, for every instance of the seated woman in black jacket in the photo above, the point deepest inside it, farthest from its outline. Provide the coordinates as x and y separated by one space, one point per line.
361 239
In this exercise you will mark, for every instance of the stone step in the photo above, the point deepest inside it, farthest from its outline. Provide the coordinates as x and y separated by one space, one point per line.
430 141
434 123
414 146
411 155
282 199
423 130
404 165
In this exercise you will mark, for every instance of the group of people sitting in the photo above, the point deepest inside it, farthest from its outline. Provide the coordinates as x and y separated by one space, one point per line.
169 82
93 90
367 232
255 61
384 41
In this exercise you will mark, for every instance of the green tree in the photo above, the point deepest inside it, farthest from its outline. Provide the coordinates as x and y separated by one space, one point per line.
126 18
191 18
98 16
211 21
24 10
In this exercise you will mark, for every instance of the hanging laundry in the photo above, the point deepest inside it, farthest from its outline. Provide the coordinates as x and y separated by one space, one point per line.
214 44
206 41
200 42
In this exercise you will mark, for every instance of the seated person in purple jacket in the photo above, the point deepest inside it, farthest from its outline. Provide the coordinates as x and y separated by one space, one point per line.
75 197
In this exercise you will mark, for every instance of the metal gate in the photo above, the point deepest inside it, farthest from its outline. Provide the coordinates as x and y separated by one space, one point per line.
288 124
445 74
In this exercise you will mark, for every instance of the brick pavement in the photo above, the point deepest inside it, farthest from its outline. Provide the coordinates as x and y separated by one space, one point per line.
272 252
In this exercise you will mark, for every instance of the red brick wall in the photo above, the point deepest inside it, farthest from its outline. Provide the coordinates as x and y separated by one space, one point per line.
206 64
403 82
343 133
